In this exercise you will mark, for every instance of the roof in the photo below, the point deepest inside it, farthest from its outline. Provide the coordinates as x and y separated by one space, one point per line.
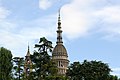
59 50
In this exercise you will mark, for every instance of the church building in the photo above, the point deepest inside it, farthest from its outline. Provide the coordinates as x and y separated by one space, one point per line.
27 64
59 54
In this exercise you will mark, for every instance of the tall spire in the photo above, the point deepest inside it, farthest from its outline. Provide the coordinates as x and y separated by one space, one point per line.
59 31
27 64
28 52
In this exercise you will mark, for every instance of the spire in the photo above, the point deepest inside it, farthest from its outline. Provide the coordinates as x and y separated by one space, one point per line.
59 31
28 52
59 16
27 64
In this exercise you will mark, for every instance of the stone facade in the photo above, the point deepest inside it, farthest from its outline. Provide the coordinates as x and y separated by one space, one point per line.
28 64
59 54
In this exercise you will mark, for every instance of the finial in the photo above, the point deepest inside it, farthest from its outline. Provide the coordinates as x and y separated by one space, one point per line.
59 12
28 46
59 15
28 52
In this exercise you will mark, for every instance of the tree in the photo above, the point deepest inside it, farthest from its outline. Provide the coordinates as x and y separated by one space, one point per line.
74 71
95 70
111 77
18 67
5 64
42 62
88 70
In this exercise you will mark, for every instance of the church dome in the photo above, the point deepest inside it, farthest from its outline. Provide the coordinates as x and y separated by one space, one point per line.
59 54
59 50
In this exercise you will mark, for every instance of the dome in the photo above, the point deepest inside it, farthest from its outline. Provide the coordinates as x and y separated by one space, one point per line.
59 50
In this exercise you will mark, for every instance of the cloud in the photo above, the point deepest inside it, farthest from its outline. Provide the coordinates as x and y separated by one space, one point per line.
84 17
110 21
44 4
16 37
110 14
74 22
3 13
79 18
115 71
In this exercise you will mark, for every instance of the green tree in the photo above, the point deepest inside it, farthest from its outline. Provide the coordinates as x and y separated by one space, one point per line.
42 62
74 71
95 70
18 68
5 64
88 70
111 77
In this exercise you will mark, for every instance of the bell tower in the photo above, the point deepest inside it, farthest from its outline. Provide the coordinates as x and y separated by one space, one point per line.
59 54
28 64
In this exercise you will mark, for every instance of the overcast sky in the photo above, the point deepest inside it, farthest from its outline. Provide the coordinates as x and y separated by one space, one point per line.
91 28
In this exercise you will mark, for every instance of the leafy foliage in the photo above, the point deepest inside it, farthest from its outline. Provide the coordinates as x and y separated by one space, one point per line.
111 77
18 67
88 70
5 64
42 62
44 68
